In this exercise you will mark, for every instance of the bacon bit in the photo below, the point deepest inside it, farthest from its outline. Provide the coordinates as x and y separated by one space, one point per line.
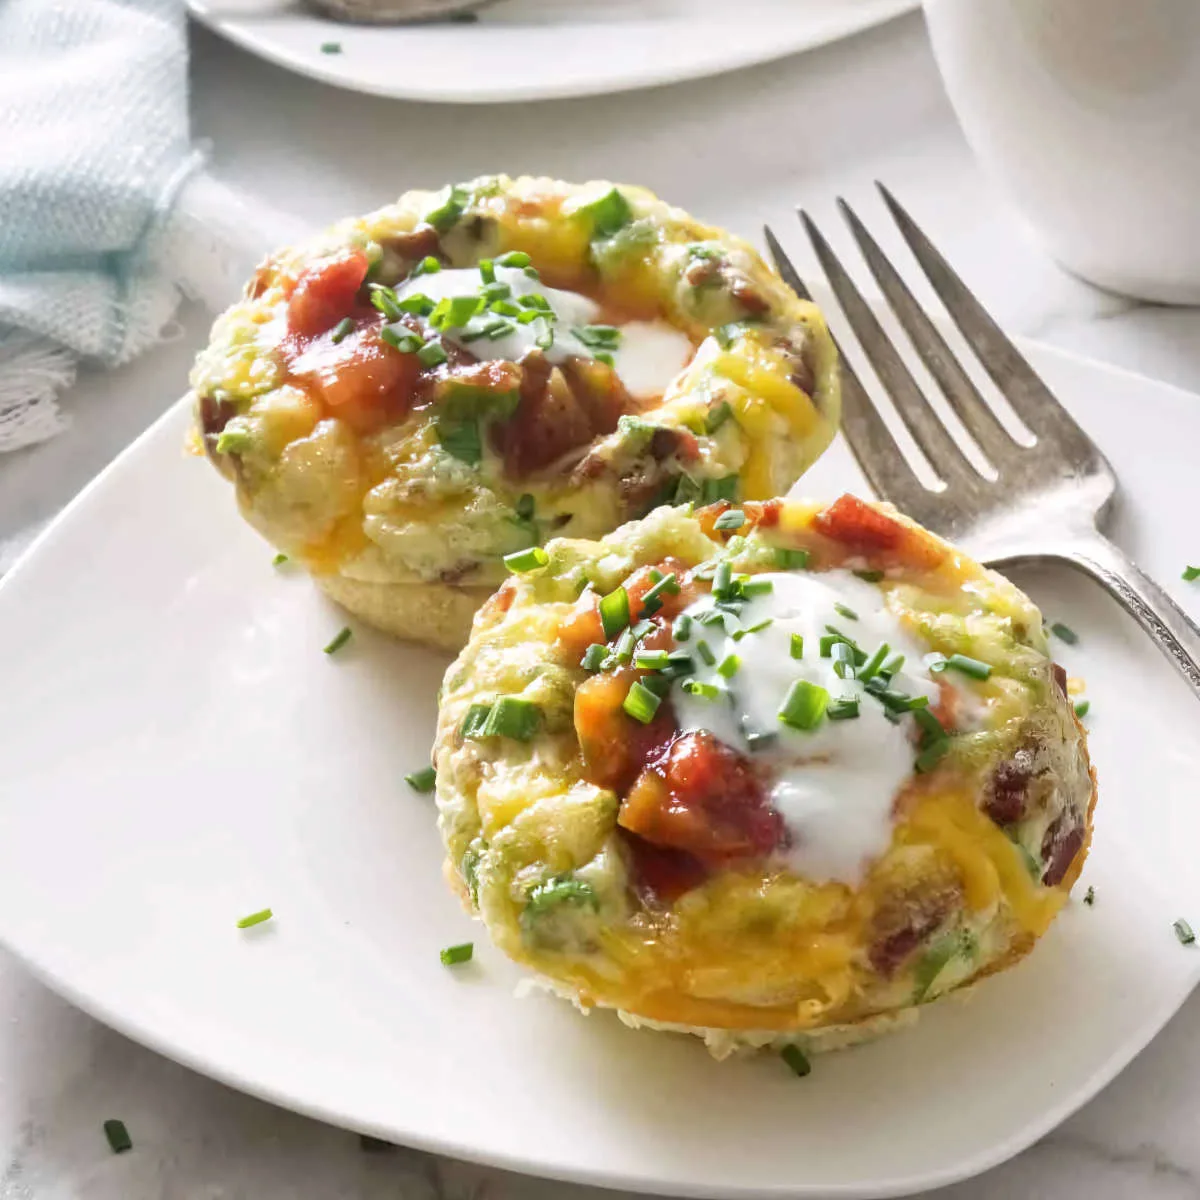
1008 788
673 443
422 242
742 290
613 744
1063 840
326 293
863 529
889 952
764 515
549 421
705 799
1060 678
660 874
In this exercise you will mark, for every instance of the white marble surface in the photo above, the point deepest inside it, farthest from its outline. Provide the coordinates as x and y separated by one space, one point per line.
738 150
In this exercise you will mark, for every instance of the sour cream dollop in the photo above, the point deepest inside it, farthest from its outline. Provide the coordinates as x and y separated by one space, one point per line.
648 355
833 785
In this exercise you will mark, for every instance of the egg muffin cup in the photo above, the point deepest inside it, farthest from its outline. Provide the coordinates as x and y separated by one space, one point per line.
459 376
773 773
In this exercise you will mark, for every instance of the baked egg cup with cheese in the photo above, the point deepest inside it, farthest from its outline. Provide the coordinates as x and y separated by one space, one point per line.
462 375
771 773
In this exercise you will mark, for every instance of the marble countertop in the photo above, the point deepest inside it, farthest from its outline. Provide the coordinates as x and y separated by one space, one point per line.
799 131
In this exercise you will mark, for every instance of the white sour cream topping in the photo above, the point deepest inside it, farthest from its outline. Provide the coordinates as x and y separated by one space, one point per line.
648 357
834 785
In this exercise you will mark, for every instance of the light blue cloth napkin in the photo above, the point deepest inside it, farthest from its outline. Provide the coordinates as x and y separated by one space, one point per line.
94 148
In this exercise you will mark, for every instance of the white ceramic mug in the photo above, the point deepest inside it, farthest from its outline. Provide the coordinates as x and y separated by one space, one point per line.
1088 113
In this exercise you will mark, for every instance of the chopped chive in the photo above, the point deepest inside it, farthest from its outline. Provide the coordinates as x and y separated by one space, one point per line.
804 705
1089 897
461 440
446 215
869 576
930 726
453 312
422 781
827 643
892 666
932 755
525 507
682 629
512 717
487 269
764 624
342 330
651 601
452 956
625 646
401 338
641 703
474 721
846 611
1183 931
790 559
651 660
614 612
733 519
526 560
608 213
264 914
331 47
545 339
722 581
704 650
797 645
427 266
843 661
339 639
728 666
118 1136
642 629
384 299
432 354
279 560
1065 633
1190 573
679 662
796 1059
1082 708
418 304
707 691
514 258
717 416
594 657
235 441
973 667
757 587
843 709
874 663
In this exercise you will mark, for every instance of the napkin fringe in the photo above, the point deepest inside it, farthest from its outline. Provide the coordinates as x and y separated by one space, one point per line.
33 371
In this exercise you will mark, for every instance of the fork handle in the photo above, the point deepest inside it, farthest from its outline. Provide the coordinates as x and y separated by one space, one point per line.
1173 631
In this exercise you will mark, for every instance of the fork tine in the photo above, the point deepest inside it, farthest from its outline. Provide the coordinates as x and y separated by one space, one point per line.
875 450
974 412
1032 400
942 452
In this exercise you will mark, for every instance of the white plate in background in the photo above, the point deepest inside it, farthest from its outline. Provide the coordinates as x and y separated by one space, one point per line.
176 751
541 49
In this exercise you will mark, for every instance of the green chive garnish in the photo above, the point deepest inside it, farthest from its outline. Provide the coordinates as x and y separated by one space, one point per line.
1190 573
461 440
722 581
487 269
608 213
641 703
514 258
873 664
331 47
118 1136
796 1059
422 781
932 755
512 717
804 705
1064 633
973 667
474 721
845 709
651 601
791 559
682 629
418 304
1183 931
427 266
340 638
717 416
446 215
452 956
728 666
705 651
279 560
525 507
526 560
843 661
757 587
1082 707
869 576
827 643
453 312
257 918
706 691
1089 897
594 657
614 612
892 666
432 354
733 519
844 610
401 338
651 660
234 441
342 330
797 645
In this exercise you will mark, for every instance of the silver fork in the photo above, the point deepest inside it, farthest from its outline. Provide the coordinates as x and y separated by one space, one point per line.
1049 500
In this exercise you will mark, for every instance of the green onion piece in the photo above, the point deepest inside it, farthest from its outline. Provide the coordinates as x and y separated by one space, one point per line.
495 330
869 576
967 666
427 266
339 639
705 652
679 662
1082 707
804 705
118 1136
1183 931
453 312
706 691
461 440
234 441
342 330
257 918
844 709
512 717
536 300
892 666
417 304
641 703
326 48
614 612
827 644
384 299
741 633
651 660
401 338
422 781
757 587
514 258
487 269
545 339
651 601
717 416
1065 633
1190 573
725 488
733 519
452 956
797 645
796 1059
682 629
727 334
722 581
525 507
474 721
844 610
594 657
728 666
930 726
843 661
432 354
602 356
1089 897
790 559
498 293
446 215
642 629
625 646
872 665
505 308
932 755
279 560
526 560
608 213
